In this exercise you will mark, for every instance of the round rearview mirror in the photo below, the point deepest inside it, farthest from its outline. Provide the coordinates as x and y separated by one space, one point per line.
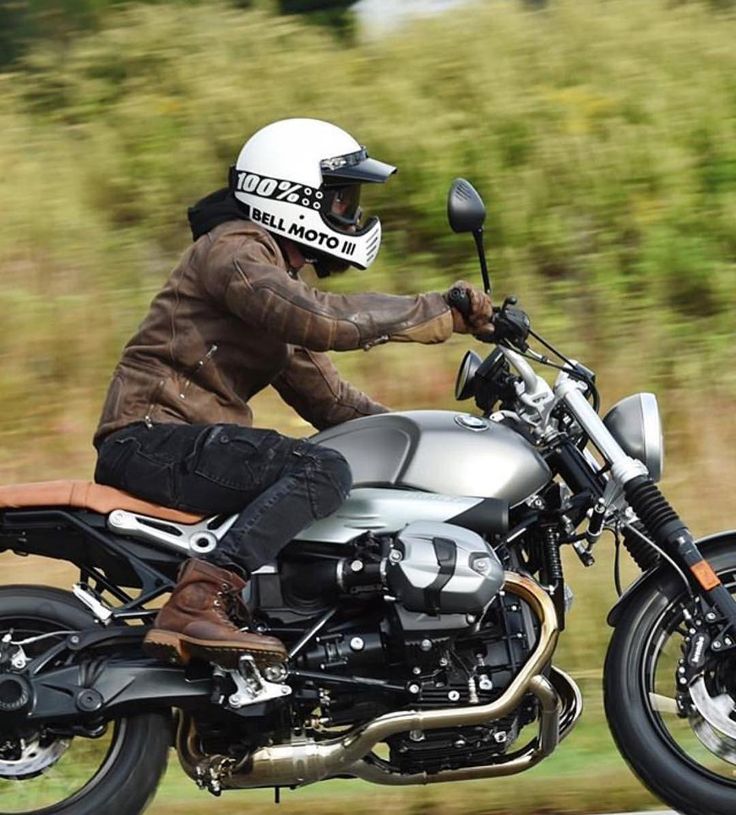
466 211
464 384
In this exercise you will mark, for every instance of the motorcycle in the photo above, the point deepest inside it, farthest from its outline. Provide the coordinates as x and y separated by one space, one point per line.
421 618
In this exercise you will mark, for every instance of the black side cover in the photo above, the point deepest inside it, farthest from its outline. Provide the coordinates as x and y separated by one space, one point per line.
490 516
446 553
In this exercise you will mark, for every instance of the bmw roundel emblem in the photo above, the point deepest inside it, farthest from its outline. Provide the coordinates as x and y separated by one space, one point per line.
471 422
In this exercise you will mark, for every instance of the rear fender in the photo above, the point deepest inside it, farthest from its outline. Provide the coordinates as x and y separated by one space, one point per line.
706 545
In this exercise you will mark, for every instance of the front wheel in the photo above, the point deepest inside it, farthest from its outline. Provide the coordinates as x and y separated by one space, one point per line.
661 724
115 768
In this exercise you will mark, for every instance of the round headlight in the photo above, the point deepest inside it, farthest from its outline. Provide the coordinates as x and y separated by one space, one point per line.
636 425
464 384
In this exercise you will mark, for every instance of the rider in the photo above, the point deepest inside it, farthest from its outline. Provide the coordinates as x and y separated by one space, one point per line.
234 317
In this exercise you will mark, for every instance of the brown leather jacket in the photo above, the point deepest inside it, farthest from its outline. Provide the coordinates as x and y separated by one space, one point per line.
233 319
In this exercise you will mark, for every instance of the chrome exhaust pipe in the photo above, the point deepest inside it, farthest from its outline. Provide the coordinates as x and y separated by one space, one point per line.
306 761
378 772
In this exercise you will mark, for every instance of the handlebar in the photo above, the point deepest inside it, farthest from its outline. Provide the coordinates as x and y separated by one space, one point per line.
525 370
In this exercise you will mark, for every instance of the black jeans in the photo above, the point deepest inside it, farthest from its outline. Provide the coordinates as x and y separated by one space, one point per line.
277 485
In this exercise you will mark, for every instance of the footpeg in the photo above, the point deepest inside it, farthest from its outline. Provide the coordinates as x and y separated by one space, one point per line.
251 687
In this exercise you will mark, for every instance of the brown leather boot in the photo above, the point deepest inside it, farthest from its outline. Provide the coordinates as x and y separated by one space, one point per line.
195 621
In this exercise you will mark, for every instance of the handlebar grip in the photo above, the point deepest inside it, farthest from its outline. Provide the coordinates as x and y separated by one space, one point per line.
459 299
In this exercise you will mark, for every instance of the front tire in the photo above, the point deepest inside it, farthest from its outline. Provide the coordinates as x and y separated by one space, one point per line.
640 689
118 772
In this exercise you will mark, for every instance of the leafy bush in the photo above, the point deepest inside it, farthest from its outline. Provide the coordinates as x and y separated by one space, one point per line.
54 23
601 134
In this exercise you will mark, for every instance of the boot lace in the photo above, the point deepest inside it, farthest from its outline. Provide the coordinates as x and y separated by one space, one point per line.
231 607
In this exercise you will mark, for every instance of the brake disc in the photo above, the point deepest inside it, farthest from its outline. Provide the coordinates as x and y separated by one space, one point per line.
33 758
710 719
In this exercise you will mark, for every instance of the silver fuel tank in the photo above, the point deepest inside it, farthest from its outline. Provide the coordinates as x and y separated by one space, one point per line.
439 451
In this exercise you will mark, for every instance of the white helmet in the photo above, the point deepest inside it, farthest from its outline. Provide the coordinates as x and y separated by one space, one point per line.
301 178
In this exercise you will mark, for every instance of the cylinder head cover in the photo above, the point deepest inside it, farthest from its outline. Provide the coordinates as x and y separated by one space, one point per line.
439 568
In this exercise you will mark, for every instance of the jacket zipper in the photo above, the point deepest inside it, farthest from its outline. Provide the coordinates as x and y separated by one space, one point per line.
154 397
198 367
183 392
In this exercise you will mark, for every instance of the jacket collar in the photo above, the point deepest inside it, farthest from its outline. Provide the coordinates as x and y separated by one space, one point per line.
221 206
212 210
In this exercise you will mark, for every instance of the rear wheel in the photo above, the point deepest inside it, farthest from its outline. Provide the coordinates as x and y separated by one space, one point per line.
115 767
678 735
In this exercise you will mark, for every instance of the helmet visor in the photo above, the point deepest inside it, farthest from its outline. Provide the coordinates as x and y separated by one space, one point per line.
357 166
341 207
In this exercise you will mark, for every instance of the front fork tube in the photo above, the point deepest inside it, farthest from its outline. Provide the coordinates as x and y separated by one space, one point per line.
705 580
661 521
670 533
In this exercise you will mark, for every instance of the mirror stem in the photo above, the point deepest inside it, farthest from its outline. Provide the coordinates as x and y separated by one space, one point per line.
478 235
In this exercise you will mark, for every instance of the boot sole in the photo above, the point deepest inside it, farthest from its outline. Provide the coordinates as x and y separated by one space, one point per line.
180 649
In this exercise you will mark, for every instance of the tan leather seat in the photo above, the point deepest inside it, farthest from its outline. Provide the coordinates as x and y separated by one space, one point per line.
85 495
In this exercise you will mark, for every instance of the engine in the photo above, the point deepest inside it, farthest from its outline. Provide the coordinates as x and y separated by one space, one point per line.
422 620
431 570
474 667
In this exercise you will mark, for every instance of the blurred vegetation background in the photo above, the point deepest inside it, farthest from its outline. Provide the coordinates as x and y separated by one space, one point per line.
602 135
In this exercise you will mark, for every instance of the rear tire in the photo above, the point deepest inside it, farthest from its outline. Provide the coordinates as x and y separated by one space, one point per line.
660 747
129 773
